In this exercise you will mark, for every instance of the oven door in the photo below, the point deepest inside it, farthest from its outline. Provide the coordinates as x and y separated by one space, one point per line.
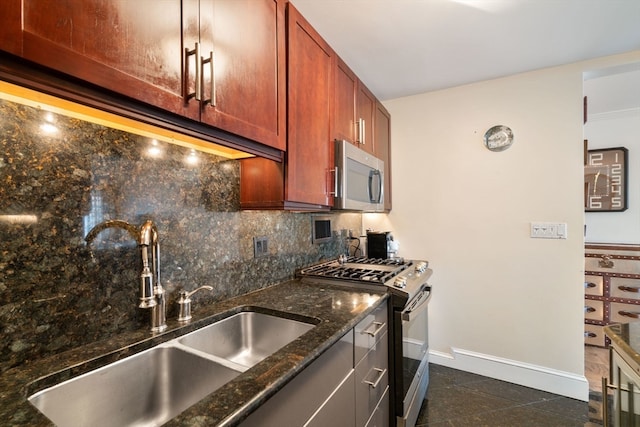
415 355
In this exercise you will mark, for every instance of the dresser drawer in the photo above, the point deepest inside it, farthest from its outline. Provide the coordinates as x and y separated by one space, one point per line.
594 310
623 313
593 285
372 379
594 335
369 331
610 264
622 287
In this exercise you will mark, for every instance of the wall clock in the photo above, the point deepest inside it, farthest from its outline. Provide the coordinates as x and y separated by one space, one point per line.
605 180
498 138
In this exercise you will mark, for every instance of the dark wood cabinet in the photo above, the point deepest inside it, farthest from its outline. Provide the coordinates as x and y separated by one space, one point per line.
306 179
146 50
344 114
365 113
354 109
382 144
245 42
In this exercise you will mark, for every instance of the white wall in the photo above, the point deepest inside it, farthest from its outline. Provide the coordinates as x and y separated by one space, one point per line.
614 121
503 305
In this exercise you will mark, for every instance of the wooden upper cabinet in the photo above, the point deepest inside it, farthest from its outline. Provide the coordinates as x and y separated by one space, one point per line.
354 107
305 181
310 143
130 47
365 112
245 40
10 26
344 116
382 143
151 51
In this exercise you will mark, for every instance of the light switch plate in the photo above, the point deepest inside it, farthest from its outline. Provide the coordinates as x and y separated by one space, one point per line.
548 230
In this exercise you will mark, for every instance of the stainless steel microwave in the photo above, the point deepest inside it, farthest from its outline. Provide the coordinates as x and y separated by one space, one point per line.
359 179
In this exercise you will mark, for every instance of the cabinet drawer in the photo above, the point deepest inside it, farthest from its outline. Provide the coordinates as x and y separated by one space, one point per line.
301 398
594 310
380 417
612 265
369 331
339 406
620 287
624 313
372 378
593 285
594 335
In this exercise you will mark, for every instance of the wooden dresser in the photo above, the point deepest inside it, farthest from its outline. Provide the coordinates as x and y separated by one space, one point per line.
611 288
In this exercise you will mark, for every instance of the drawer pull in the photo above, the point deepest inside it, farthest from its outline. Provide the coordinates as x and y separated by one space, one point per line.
606 262
634 289
632 314
374 384
378 327
590 335
588 309
589 285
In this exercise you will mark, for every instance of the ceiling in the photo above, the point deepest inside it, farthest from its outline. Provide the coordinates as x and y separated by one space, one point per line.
404 47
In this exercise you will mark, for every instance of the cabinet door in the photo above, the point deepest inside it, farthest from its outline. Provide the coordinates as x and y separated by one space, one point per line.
130 47
310 147
382 143
10 26
365 107
344 114
246 39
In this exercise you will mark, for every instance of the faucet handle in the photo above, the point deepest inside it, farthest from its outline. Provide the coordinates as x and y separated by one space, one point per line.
184 303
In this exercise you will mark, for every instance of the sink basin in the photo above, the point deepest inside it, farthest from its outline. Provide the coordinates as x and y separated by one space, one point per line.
145 389
246 338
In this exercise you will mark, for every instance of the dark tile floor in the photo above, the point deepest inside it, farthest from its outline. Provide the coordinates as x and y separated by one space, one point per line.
462 399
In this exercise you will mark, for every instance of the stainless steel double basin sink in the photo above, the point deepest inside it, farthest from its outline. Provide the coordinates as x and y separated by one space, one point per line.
154 386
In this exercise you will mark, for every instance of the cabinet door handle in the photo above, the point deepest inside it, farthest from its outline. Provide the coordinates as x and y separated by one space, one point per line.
185 80
199 77
361 131
632 314
212 94
374 384
634 289
589 285
590 335
588 309
377 328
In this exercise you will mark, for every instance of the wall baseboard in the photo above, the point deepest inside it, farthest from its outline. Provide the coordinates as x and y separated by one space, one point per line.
534 376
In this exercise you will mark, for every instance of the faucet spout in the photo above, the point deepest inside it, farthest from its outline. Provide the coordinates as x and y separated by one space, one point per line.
152 294
113 223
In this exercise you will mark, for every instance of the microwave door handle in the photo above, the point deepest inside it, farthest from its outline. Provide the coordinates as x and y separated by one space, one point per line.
380 188
373 199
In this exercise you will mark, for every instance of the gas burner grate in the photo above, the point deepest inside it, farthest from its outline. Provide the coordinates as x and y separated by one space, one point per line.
370 270
376 261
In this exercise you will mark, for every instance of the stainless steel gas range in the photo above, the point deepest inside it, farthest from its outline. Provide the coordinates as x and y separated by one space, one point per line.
406 281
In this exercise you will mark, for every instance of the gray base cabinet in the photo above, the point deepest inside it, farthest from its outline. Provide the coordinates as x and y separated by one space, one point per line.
342 388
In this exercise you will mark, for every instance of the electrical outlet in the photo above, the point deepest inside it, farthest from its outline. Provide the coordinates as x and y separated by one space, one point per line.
548 230
260 246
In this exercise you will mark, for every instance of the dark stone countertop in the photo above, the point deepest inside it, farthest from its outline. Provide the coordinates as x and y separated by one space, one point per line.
237 399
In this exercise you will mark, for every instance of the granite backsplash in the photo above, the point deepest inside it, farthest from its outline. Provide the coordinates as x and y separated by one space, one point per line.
60 176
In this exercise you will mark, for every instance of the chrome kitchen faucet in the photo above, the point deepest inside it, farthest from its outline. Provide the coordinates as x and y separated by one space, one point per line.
152 294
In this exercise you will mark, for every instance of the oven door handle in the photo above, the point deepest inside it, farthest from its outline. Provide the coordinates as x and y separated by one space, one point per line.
417 304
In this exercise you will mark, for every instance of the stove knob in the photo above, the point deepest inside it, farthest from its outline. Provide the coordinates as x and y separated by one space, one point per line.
400 282
421 266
